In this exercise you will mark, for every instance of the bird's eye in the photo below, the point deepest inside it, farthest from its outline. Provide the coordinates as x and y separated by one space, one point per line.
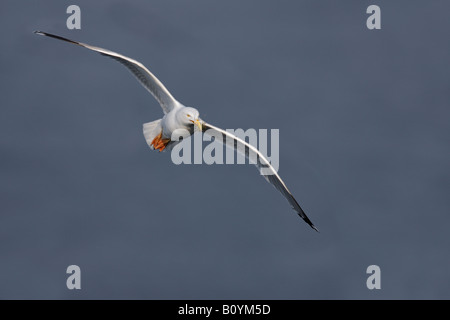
188 115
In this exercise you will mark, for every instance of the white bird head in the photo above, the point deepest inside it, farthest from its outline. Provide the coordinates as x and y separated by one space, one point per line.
189 116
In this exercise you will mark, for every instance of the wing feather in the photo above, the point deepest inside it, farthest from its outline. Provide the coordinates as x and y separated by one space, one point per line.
261 162
143 75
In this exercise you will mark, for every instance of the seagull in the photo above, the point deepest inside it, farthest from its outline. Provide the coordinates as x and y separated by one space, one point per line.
158 133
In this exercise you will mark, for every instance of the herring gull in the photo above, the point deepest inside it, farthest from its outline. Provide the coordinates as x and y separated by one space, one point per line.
158 133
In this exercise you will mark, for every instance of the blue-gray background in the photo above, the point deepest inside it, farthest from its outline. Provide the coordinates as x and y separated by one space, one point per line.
364 132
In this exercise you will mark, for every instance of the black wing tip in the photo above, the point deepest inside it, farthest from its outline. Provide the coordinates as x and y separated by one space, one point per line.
42 33
306 219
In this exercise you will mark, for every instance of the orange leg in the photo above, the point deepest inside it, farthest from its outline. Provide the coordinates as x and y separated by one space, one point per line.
156 140
158 143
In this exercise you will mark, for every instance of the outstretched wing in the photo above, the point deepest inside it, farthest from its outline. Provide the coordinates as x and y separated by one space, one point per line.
145 77
261 163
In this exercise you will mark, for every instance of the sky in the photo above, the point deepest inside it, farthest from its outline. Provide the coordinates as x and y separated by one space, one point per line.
364 147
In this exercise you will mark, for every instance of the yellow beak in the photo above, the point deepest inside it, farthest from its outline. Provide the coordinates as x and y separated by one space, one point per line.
198 124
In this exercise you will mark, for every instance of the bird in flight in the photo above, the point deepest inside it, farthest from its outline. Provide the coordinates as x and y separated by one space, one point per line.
158 133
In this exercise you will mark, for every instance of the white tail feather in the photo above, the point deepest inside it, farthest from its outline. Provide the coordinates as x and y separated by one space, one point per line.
151 130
